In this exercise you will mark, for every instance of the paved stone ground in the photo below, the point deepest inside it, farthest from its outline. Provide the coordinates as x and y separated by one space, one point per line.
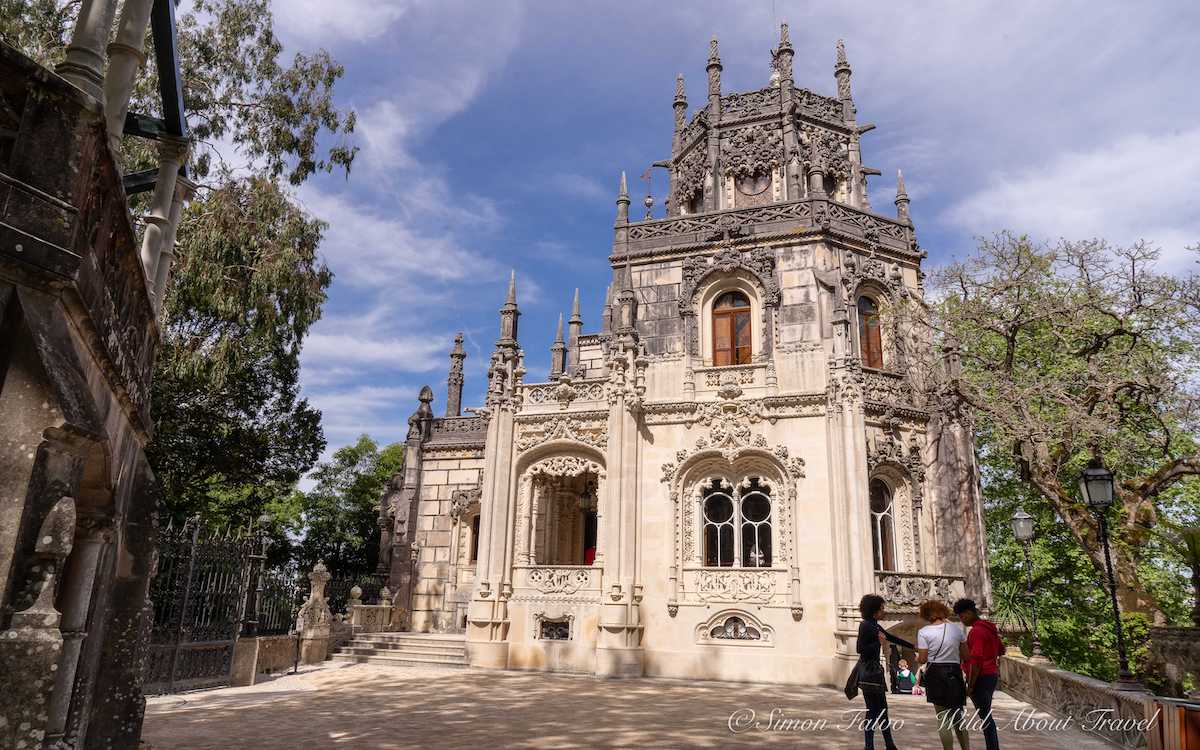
366 706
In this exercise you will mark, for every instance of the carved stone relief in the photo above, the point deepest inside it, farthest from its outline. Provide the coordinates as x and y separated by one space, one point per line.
752 151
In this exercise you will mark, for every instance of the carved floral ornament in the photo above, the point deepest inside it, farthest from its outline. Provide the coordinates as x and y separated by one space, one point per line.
824 148
858 270
733 627
759 262
594 434
691 173
461 501
564 466
752 151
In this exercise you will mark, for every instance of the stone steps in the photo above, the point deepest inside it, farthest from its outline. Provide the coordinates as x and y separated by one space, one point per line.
406 649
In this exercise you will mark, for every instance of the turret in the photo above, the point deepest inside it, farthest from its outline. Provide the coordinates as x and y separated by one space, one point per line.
558 352
841 72
574 330
454 381
680 104
901 199
508 316
623 201
783 56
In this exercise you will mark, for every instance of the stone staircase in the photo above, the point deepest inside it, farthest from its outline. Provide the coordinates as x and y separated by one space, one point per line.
406 649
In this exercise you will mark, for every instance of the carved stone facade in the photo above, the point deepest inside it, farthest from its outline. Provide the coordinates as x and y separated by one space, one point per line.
78 334
646 505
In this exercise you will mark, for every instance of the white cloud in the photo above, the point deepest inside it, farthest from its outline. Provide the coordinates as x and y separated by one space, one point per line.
1135 187
321 20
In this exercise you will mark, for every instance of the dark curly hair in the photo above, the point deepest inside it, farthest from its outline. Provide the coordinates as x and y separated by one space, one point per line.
870 604
964 605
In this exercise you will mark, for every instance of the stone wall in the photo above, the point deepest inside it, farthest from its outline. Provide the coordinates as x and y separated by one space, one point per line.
441 537
77 341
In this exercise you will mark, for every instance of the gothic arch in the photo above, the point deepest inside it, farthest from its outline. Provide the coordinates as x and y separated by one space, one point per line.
751 271
554 461
905 491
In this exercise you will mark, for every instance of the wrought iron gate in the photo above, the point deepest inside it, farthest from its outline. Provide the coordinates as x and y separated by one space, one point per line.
198 597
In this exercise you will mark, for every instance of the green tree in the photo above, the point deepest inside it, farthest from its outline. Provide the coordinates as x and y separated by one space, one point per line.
232 434
1073 351
335 521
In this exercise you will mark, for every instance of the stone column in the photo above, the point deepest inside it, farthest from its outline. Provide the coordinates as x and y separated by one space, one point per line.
166 254
314 621
84 63
171 153
78 582
619 650
487 622
125 59
32 645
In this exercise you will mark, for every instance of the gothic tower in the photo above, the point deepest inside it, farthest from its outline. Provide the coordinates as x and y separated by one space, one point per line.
740 452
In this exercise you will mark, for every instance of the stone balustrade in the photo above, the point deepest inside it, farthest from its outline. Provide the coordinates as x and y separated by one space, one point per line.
1126 719
904 592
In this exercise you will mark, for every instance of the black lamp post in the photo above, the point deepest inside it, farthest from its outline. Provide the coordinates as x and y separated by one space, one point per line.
1097 487
1022 526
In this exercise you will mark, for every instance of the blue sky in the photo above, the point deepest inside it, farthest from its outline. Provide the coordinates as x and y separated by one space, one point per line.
493 134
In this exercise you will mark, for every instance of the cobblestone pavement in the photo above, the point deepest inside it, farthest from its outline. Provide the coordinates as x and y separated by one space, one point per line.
365 706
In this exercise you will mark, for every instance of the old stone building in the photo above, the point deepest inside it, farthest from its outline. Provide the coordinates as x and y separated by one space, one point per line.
79 327
710 481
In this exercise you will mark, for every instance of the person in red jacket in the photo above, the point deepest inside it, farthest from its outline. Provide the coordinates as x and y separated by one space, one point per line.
982 669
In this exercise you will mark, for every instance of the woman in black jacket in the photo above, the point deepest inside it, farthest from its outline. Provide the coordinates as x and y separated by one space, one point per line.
871 637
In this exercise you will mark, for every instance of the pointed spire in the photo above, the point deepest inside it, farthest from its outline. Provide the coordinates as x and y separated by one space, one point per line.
509 314
575 328
901 198
781 58
623 201
680 94
714 70
558 351
575 316
454 380
680 104
841 72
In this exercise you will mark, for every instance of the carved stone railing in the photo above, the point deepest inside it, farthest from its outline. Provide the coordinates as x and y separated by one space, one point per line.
883 387
466 430
559 581
904 592
810 212
712 378
563 394
1124 718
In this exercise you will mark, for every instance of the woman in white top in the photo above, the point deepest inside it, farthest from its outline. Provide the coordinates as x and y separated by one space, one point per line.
943 645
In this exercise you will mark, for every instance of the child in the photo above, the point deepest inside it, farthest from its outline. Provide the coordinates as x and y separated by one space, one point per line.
905 679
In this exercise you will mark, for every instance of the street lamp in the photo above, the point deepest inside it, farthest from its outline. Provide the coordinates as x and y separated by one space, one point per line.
1097 487
1022 526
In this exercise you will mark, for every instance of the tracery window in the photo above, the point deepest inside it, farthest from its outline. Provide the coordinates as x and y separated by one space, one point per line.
870 338
737 524
731 329
883 531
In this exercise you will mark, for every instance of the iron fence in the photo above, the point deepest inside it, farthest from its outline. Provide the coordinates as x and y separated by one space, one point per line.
198 597
281 594
337 593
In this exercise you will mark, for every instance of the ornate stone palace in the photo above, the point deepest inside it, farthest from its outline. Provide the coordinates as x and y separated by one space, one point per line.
708 484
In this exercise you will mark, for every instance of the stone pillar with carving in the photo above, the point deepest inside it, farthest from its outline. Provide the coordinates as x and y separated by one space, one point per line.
619 651
315 621
171 155
846 434
712 186
31 647
487 614
403 575
791 144
454 380
93 538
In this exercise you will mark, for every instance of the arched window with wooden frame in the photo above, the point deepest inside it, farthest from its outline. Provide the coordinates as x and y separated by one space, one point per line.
870 335
731 332
883 530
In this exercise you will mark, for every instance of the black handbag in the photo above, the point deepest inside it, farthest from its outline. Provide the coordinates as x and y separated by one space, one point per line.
870 677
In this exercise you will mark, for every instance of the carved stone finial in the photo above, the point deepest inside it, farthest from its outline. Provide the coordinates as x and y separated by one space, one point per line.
785 40
714 55
901 198
454 380
841 72
511 299
680 94
714 72
558 351
623 201
575 307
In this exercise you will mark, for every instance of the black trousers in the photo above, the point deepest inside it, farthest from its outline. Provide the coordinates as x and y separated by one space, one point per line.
981 697
876 718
